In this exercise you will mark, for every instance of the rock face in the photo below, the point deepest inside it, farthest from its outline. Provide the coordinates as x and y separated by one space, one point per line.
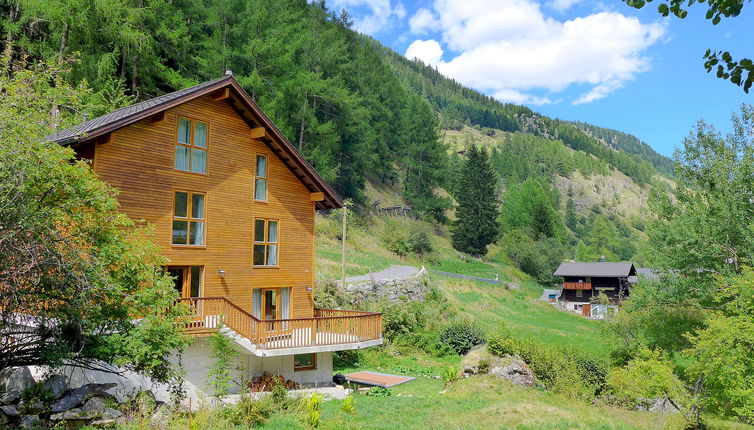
514 370
79 395
660 405
412 288
55 385
13 382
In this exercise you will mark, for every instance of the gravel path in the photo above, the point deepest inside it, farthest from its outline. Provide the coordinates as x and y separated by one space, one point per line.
391 272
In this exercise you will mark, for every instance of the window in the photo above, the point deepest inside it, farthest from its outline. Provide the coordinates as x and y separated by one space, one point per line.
265 242
304 361
260 182
188 219
191 146
579 293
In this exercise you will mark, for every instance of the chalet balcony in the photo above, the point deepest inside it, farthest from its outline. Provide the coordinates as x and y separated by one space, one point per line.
577 285
327 330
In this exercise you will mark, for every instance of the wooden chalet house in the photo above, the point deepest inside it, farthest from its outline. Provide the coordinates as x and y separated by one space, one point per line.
583 282
233 205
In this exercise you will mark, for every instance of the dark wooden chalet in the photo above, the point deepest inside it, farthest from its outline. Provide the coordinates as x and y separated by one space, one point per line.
583 282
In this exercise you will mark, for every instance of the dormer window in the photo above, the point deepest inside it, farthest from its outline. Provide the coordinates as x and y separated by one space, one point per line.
260 182
191 146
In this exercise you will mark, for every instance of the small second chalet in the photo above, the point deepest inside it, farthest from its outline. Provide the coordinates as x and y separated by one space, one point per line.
583 283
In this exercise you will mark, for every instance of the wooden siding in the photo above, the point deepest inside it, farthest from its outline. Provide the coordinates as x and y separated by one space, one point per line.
139 161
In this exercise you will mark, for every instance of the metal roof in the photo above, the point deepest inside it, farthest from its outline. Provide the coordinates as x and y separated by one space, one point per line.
239 100
597 269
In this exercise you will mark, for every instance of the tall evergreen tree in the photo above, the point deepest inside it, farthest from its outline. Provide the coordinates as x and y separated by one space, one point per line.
476 225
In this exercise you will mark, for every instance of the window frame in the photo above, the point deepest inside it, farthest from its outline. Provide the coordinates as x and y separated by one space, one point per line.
191 146
266 243
265 178
313 366
189 219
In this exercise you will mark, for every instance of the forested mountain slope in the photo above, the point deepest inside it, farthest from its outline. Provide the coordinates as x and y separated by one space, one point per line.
356 110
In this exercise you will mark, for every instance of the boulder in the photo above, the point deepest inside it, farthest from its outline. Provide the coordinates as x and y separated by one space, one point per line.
470 370
56 386
93 408
9 410
111 414
512 286
30 422
665 406
513 370
80 395
13 382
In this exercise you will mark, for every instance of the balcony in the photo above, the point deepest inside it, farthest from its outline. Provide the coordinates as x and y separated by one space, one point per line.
577 285
327 330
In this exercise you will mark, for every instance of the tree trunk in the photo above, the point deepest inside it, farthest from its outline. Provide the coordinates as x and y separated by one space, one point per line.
13 17
63 43
303 123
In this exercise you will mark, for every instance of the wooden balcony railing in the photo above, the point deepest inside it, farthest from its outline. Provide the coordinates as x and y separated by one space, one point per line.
327 327
577 285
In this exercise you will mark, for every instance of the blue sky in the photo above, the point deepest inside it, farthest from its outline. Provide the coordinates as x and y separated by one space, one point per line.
596 61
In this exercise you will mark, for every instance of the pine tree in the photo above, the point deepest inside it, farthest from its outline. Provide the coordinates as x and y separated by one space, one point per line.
476 225
571 219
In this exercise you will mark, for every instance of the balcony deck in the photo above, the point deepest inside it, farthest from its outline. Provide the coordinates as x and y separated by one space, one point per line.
328 330
577 285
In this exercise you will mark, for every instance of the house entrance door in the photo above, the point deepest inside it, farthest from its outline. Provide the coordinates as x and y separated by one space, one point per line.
587 310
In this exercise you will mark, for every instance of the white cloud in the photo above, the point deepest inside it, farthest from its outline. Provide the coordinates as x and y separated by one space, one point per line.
423 21
378 16
429 51
509 48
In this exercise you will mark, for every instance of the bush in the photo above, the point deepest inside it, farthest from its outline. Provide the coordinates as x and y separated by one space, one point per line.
462 336
378 392
501 343
449 374
404 237
647 376
401 319
344 359
248 412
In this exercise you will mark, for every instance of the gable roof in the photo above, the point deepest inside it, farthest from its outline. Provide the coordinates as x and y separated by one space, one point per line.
596 270
239 99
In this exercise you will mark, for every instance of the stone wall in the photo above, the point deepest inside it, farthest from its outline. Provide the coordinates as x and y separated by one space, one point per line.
412 288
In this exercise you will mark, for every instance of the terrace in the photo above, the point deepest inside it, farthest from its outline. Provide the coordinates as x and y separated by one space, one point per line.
327 330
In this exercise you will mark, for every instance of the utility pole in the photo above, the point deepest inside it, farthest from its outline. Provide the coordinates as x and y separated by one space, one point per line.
343 244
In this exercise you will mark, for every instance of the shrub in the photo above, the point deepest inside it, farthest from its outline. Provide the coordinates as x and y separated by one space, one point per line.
647 376
500 342
462 336
419 242
348 405
449 374
378 392
248 412
484 366
312 410
220 373
348 358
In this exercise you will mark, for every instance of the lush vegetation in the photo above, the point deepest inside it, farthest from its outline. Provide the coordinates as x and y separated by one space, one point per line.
66 252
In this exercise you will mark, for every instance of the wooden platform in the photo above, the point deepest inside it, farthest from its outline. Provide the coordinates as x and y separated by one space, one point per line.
383 380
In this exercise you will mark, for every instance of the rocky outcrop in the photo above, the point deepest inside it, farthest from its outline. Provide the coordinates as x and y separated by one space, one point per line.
53 402
13 382
513 370
660 405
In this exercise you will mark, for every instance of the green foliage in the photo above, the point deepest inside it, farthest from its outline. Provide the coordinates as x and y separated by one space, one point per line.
530 207
378 392
220 372
461 336
248 412
349 405
557 368
648 376
312 404
404 238
537 258
449 374
722 351
101 271
346 359
476 224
